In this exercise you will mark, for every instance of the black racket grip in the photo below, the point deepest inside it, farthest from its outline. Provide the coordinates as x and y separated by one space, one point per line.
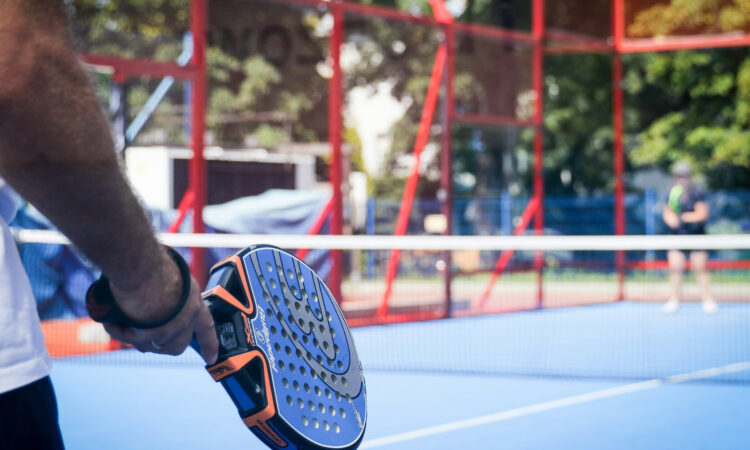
102 307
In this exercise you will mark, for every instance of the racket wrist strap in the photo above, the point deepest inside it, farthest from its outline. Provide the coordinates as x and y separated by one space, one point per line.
102 307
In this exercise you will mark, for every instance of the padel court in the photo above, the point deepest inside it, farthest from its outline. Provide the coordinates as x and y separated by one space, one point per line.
620 375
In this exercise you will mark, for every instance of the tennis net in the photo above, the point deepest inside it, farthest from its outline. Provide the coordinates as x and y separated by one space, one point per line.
570 306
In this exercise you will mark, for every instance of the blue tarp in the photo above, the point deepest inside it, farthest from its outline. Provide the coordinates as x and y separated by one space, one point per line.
59 276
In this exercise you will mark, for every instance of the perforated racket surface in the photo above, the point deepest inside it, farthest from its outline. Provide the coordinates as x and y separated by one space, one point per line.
286 356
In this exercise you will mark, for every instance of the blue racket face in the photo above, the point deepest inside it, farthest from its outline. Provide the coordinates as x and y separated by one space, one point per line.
305 370
317 377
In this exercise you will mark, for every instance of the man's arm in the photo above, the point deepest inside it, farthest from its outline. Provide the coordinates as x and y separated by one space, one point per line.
57 152
670 217
697 215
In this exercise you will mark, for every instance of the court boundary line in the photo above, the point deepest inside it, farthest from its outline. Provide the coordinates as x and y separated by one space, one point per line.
556 404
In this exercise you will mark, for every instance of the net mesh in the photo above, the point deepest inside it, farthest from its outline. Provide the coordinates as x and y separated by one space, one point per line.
580 328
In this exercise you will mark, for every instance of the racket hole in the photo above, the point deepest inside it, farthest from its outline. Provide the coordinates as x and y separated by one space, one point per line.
291 367
332 410
287 303
281 364
288 350
338 397
333 378
329 316
342 413
294 291
269 313
307 309
326 345
336 427
340 365
302 370
290 274
333 332
328 393
290 319
326 426
280 271
348 399
297 306
299 353
300 277
315 297
311 405
269 267
316 343
344 381
322 328
309 355
277 347
304 295
336 348
285 382
266 297
330 362
321 408
314 374
284 333
319 359
273 329
300 403
307 388
296 385
317 312
276 299
289 400
305 339
315 423
323 376
305 421
295 336
272 283
301 322
318 392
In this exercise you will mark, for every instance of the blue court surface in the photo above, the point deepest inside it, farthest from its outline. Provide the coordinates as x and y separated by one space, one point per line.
134 401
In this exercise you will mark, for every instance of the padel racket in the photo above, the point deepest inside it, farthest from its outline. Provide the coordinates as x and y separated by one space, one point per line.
286 356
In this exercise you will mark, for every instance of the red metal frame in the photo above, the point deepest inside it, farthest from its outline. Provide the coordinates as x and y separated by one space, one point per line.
618 32
411 183
335 97
197 169
186 204
502 262
540 39
537 83
446 161
316 227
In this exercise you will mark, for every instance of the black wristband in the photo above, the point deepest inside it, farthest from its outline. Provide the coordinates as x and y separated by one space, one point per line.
102 307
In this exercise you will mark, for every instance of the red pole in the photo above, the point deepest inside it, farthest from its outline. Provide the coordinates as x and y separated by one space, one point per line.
618 25
335 93
504 258
197 183
446 158
411 183
538 86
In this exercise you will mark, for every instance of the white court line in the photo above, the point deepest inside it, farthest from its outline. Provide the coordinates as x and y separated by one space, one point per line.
555 404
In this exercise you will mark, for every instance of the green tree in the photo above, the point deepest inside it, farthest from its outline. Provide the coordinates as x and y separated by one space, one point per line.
694 105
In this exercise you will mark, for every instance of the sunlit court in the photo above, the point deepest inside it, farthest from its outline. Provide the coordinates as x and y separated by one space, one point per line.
416 224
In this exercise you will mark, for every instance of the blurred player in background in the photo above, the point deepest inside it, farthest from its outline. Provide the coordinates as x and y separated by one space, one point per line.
686 212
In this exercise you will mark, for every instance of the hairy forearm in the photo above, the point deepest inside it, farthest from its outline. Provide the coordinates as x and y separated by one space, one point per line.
56 150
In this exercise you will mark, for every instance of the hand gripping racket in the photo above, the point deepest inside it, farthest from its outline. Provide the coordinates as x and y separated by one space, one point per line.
286 356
